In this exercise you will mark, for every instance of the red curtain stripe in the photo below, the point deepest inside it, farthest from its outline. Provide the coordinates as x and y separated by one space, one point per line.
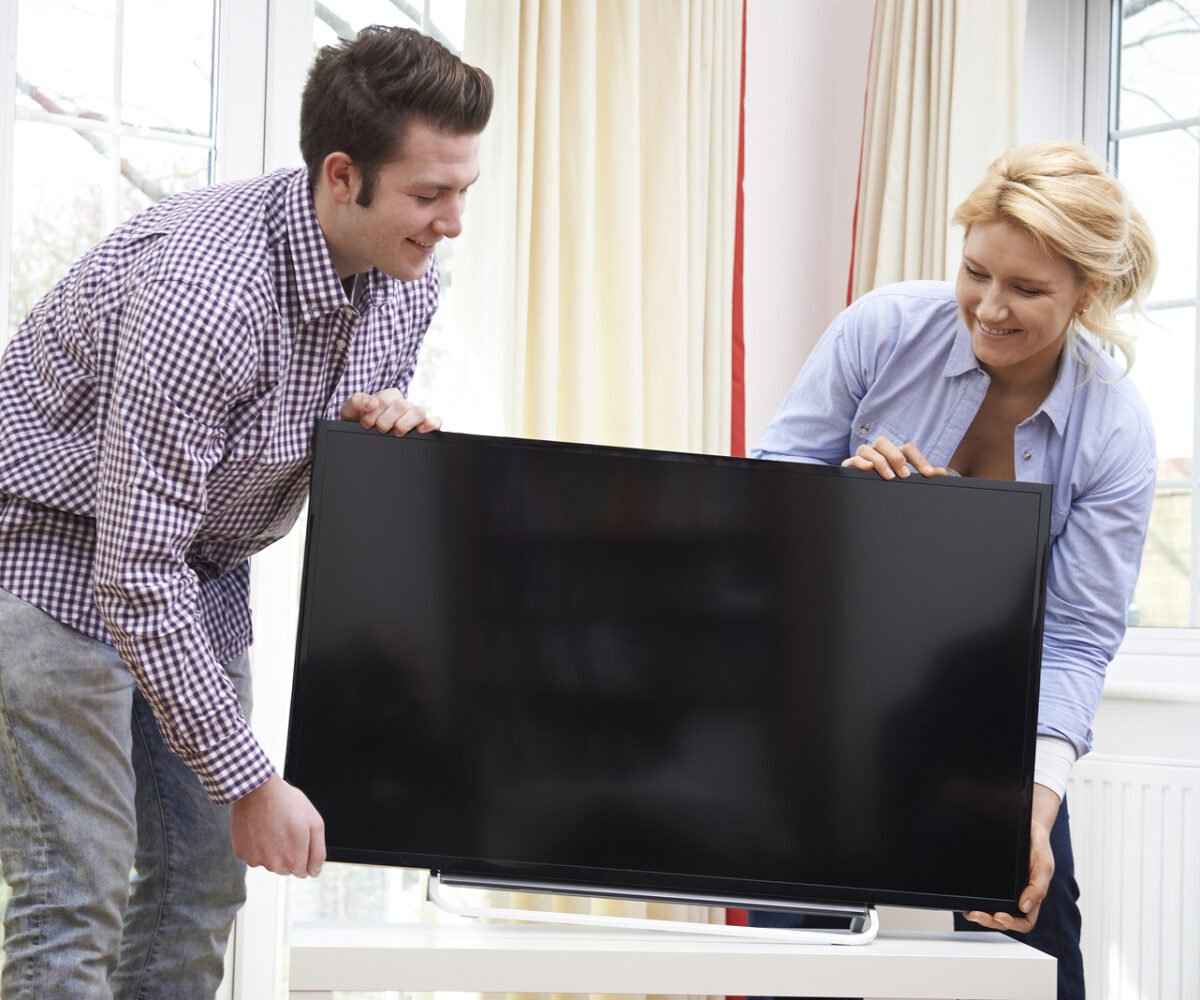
862 142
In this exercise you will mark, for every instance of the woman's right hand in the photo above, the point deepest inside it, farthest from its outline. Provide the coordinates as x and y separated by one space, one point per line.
889 460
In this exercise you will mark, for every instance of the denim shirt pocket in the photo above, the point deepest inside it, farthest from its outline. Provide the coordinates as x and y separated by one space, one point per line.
868 428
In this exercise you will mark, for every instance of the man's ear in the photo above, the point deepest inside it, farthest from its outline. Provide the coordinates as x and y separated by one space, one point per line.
342 179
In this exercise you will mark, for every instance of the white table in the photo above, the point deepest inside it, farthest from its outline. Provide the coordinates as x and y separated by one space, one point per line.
516 959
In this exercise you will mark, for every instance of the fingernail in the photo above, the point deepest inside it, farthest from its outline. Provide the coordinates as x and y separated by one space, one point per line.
904 471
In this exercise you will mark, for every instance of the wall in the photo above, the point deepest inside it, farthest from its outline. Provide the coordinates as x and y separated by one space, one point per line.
805 78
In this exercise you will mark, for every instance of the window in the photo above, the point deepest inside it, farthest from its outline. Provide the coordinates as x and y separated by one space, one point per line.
1153 141
106 121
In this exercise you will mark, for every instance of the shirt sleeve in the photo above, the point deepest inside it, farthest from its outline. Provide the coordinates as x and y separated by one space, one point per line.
179 370
814 423
1093 568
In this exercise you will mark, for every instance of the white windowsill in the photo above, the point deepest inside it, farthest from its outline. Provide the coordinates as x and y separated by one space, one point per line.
1156 664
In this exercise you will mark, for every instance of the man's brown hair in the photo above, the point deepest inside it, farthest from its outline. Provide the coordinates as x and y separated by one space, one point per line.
361 95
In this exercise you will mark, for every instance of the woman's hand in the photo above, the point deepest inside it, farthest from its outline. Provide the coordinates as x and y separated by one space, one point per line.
890 460
1041 869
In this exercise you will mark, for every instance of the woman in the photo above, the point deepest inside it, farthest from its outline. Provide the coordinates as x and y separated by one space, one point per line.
996 377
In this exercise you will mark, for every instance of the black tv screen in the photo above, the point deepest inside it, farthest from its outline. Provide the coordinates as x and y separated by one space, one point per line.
669 673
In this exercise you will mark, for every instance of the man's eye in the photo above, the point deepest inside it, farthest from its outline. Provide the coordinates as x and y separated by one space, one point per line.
977 275
425 199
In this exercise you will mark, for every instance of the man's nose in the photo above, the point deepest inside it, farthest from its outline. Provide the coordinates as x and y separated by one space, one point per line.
449 223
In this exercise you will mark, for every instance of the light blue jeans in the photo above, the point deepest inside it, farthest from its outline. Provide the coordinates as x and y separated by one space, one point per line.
89 791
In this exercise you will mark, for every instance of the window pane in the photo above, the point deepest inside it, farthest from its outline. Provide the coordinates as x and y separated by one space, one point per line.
449 18
1162 175
1164 372
167 72
63 180
1163 593
65 56
1159 66
345 18
155 170
357 894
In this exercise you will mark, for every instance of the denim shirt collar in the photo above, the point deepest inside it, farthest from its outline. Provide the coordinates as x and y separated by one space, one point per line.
1056 405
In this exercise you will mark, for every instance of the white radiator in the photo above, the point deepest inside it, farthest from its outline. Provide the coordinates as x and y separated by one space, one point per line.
1135 829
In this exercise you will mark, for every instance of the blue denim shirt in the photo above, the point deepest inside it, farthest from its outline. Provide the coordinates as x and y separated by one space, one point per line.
899 363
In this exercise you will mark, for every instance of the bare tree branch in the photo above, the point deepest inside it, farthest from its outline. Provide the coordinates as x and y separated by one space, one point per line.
1160 34
149 187
1157 104
1185 12
1134 7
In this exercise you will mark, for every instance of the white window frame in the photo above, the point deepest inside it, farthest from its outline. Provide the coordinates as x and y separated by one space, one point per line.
1157 664
8 108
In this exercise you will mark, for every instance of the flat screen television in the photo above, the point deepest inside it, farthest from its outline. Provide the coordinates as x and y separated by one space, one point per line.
669 673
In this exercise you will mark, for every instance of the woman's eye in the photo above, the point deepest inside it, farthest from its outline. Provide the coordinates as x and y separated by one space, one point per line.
977 275
1030 292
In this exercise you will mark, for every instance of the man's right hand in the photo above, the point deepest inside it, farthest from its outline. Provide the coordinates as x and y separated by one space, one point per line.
277 828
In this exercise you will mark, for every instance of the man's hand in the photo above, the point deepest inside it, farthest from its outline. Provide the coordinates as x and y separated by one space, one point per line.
1041 869
277 828
389 412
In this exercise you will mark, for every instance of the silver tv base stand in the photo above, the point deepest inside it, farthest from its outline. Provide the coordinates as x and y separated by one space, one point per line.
864 921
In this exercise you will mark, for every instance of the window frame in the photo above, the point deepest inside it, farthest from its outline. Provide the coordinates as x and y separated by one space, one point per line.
1103 137
1143 645
8 116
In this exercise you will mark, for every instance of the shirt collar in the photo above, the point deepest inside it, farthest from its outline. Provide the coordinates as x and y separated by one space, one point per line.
379 288
1056 405
962 358
317 280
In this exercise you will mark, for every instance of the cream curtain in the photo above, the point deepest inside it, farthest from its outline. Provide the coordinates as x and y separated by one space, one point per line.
943 96
597 283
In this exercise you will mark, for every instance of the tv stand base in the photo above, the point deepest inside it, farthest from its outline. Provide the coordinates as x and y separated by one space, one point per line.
864 921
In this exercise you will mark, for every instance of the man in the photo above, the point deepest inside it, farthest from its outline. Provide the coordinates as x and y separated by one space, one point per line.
155 415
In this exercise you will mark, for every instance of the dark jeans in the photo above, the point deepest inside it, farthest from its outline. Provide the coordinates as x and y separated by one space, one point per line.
1056 932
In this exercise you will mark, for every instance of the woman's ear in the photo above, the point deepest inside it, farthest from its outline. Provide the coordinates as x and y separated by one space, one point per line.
1086 296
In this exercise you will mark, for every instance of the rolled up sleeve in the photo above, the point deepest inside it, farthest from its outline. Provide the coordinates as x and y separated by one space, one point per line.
179 370
1094 565
813 424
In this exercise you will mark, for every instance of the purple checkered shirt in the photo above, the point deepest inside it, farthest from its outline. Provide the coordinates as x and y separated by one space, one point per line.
156 409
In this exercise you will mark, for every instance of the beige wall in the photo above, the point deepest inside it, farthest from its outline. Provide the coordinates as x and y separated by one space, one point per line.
806 69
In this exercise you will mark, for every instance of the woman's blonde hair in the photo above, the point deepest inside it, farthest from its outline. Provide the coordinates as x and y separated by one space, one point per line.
1062 196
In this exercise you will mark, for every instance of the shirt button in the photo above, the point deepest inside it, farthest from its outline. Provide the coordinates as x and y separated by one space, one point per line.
340 344
1027 454
864 428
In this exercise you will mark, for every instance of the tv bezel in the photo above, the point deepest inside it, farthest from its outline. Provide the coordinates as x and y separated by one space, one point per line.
579 878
